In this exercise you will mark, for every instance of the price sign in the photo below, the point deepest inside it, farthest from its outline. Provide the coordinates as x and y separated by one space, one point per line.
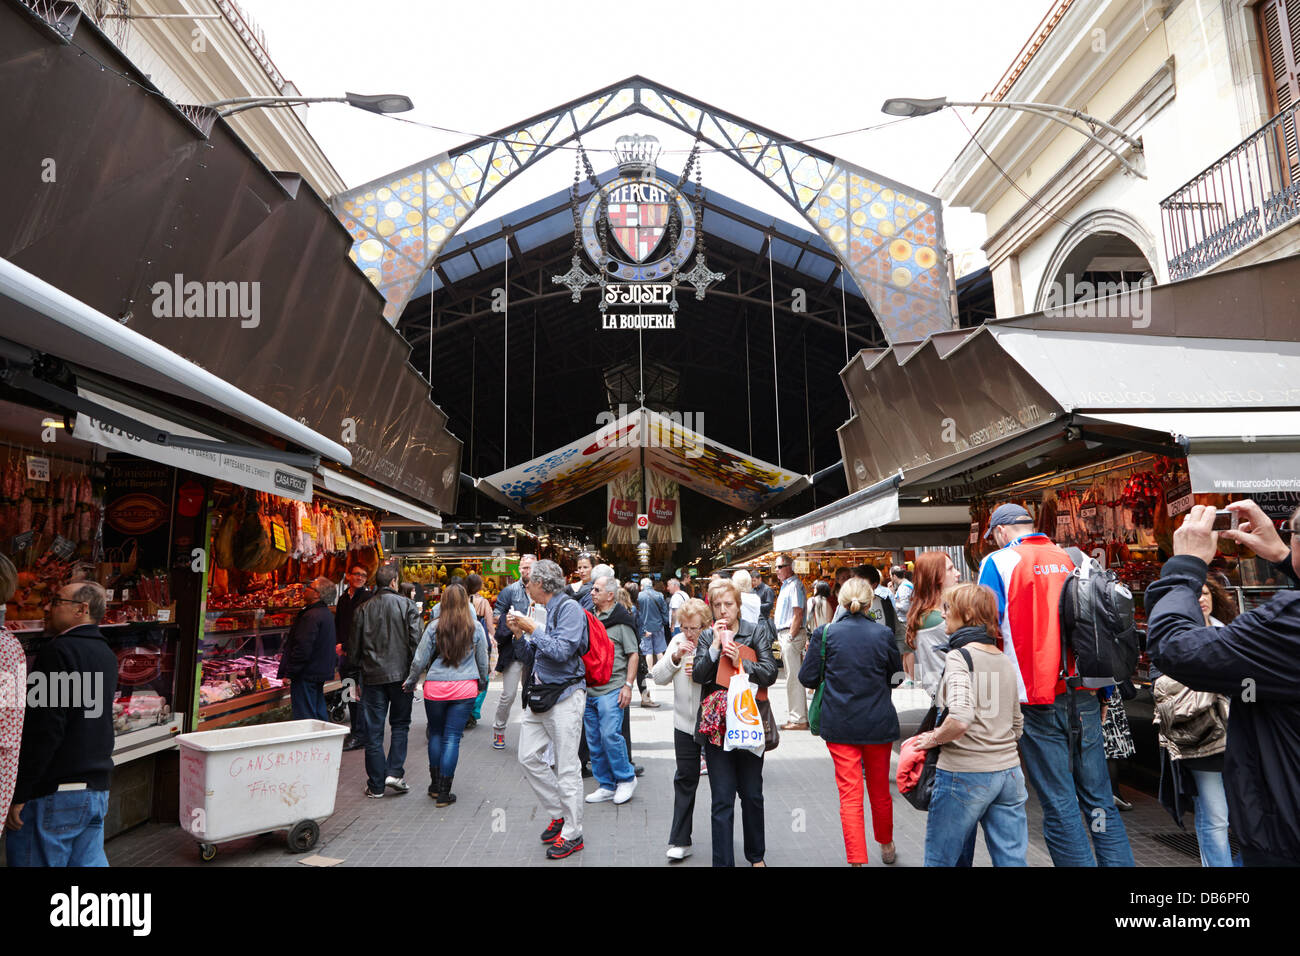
20 542
1178 495
278 538
974 532
642 522
1088 512
340 543
1062 524
62 548
801 566
164 615
38 469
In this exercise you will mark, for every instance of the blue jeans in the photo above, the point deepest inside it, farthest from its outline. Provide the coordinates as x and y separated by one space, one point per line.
65 828
446 725
308 700
603 722
1212 819
962 801
1070 799
382 702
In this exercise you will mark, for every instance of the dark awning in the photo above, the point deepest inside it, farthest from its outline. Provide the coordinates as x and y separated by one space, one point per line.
142 200
963 400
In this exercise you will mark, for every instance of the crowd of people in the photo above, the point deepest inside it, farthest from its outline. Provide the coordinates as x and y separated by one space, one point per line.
987 652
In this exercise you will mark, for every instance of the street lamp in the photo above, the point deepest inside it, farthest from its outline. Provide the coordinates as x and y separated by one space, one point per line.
381 103
907 107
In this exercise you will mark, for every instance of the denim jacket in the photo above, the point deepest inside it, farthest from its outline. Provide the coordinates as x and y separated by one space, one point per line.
473 667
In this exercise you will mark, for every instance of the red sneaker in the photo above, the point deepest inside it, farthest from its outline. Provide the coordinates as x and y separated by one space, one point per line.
562 848
552 832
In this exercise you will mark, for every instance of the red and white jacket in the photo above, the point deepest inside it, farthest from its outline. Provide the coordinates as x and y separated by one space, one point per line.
1027 576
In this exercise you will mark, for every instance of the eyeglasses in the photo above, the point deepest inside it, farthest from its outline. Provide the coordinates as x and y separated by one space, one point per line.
693 630
62 600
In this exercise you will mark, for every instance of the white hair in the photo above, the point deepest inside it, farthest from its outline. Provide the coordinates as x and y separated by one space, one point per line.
647 583
613 585
742 580
602 571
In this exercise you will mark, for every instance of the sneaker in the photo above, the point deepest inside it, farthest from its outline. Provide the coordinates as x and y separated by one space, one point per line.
398 783
552 832
678 852
373 796
471 723
562 848
601 795
498 741
353 743
625 790
1121 803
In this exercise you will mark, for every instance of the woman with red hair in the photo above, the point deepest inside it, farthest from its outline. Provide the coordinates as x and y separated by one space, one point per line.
934 574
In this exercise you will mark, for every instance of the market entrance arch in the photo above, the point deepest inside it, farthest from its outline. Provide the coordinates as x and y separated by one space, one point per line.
887 236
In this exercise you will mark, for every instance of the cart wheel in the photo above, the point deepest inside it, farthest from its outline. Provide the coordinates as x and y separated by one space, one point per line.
304 835
207 852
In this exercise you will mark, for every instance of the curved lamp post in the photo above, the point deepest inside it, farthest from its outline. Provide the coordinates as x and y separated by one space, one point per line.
904 106
381 103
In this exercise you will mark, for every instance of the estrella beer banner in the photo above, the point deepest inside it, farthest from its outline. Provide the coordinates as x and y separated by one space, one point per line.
664 507
624 497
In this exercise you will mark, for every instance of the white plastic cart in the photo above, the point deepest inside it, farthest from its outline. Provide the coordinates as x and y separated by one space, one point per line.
243 781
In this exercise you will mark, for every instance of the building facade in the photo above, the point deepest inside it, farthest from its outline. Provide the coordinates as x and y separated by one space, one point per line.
202 51
1209 88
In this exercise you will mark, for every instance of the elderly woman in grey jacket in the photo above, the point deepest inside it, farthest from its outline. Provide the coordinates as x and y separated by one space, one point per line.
675 667
454 651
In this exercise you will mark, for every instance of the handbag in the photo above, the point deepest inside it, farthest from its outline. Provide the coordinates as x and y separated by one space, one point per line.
771 731
917 768
815 708
542 697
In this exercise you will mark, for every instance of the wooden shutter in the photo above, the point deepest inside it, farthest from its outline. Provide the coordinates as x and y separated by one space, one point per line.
1279 31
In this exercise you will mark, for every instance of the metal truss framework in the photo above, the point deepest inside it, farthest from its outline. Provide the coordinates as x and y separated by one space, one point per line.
887 236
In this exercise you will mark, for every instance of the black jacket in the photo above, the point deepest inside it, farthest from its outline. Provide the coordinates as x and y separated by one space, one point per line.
308 653
385 634
344 613
862 665
766 599
72 743
762 672
1255 660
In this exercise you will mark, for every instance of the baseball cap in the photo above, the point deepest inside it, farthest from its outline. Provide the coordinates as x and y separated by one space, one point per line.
1007 514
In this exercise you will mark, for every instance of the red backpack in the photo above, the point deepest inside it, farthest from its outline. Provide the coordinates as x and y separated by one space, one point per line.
599 658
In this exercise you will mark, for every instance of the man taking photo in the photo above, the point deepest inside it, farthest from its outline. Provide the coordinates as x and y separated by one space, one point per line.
1254 660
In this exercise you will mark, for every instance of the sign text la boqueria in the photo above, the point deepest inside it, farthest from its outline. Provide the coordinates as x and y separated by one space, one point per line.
638 294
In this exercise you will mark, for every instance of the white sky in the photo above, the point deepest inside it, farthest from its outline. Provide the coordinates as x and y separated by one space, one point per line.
802 70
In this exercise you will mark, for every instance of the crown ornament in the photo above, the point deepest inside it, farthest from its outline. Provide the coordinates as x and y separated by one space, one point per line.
637 154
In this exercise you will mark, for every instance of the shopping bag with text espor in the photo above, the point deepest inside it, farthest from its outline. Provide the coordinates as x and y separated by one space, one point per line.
744 723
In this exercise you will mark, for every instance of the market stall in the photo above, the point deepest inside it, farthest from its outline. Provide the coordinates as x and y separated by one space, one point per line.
263 548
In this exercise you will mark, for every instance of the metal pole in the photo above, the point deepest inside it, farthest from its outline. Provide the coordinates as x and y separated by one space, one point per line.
776 384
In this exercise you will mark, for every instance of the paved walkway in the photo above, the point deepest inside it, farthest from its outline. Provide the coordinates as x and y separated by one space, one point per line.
496 821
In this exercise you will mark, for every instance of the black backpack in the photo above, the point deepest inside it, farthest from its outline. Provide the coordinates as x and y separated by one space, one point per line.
1096 613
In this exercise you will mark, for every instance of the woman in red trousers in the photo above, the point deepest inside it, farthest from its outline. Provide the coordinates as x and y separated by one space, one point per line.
859 661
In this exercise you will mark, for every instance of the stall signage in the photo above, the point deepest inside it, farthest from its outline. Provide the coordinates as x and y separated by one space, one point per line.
38 469
801 566
136 513
819 531
295 485
643 521
1278 505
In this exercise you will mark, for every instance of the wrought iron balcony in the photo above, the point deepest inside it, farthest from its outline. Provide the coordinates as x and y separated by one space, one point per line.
1250 192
